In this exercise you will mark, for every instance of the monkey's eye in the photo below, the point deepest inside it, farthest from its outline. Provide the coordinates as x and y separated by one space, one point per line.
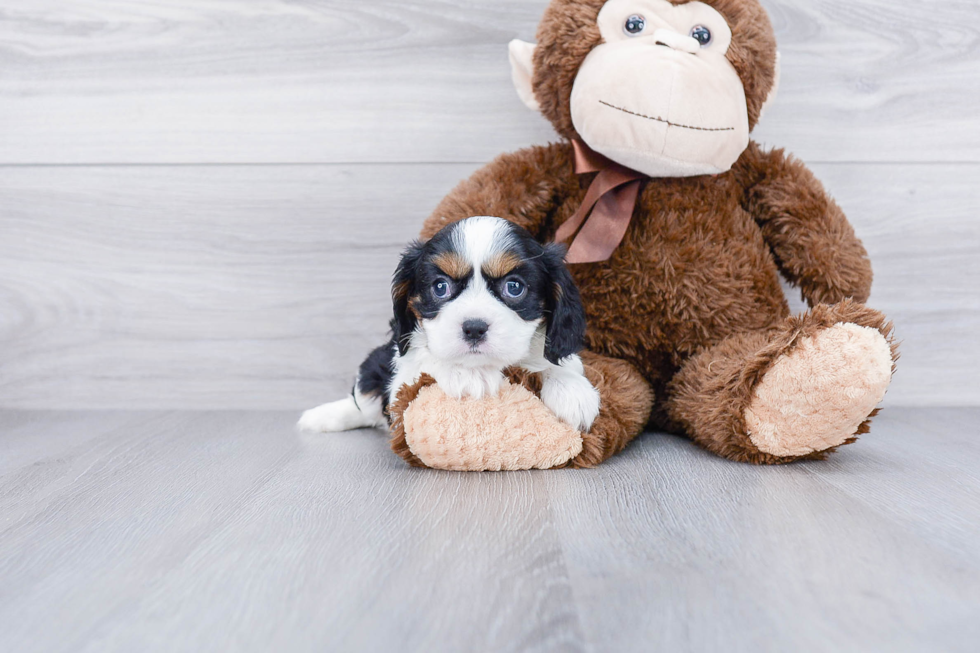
634 24
701 34
514 288
441 288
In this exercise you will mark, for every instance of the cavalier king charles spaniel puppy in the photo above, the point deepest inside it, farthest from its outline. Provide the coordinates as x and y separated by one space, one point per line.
482 295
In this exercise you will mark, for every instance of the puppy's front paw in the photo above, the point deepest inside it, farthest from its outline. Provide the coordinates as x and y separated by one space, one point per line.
572 398
340 415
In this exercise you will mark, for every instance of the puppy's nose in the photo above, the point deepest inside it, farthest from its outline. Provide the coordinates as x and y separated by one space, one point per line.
474 331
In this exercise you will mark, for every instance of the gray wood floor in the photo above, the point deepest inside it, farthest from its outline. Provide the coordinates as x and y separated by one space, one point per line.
141 531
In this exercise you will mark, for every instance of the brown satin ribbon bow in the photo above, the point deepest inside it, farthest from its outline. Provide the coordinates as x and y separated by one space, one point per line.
608 205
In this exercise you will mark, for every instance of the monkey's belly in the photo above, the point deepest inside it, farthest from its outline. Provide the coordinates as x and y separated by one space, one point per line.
657 315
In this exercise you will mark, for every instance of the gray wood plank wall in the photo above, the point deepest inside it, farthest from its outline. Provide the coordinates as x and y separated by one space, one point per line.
201 201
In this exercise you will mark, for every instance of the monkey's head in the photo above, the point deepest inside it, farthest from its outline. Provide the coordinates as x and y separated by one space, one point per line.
670 88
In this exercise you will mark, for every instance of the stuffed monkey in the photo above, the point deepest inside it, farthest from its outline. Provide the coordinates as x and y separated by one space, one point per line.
678 228
655 100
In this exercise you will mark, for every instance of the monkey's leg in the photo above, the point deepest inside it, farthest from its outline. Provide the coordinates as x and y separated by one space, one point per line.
625 401
796 391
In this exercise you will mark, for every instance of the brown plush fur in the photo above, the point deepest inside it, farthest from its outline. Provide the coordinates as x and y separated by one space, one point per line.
396 413
691 299
626 403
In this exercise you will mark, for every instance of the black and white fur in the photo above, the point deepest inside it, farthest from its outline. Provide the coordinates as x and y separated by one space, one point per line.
464 330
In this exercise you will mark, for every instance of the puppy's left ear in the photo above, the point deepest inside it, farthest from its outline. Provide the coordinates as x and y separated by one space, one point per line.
565 331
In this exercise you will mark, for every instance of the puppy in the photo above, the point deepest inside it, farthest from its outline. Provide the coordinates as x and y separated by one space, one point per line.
480 296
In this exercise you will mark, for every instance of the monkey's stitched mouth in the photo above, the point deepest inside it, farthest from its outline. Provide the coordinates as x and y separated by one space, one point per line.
667 122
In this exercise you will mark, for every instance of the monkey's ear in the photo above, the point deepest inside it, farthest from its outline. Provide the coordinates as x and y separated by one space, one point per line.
773 90
565 330
522 71
403 288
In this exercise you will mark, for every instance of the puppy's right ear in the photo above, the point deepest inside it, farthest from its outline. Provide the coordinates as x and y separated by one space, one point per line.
565 331
403 288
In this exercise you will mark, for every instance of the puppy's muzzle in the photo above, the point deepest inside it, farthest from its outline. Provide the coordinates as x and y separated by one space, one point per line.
475 331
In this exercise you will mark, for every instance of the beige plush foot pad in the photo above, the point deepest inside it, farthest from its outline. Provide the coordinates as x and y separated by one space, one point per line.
509 432
816 397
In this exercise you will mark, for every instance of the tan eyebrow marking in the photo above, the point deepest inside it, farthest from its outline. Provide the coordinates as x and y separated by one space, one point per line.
501 264
453 264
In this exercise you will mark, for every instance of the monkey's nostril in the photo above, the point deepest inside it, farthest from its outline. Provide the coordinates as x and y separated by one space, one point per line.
474 331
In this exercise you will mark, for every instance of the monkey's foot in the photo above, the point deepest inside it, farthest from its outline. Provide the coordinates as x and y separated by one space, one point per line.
818 395
511 431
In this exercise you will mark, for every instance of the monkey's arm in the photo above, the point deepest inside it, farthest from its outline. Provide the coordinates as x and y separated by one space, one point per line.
523 187
814 244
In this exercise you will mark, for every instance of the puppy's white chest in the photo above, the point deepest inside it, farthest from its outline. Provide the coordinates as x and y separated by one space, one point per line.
459 382
454 379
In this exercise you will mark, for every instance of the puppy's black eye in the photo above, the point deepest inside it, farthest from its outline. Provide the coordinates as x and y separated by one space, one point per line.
701 34
634 24
514 288
441 288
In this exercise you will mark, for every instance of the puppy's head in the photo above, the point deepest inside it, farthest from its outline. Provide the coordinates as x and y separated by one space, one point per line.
481 289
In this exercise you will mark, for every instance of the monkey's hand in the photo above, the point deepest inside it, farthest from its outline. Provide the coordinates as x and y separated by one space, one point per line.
810 236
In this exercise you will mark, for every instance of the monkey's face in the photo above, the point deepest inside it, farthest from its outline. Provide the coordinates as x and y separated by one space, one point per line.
658 94
670 88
